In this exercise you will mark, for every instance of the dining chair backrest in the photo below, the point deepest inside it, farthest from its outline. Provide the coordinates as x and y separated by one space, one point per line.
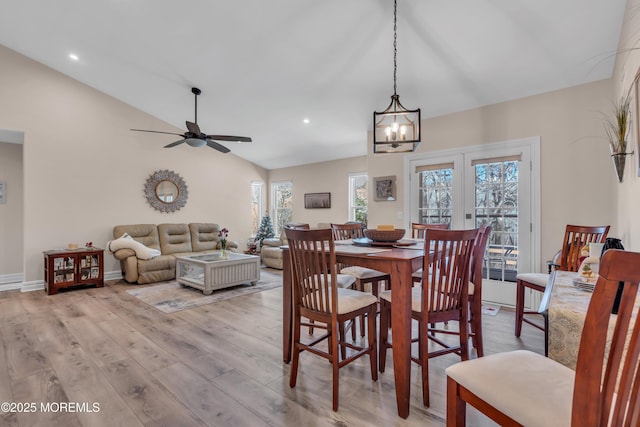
313 266
477 258
447 271
350 230
575 238
418 229
606 393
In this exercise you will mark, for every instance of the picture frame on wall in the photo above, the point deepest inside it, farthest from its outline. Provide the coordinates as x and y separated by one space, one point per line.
384 188
3 192
317 200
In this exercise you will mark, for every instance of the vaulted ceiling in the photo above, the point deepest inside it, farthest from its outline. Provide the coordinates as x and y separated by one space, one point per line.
265 66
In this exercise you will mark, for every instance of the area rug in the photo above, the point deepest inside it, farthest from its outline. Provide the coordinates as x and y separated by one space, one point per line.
490 310
170 297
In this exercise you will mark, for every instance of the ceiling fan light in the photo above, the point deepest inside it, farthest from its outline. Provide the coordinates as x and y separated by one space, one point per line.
196 142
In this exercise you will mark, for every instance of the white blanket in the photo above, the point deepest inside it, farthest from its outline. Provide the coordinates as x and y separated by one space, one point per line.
127 242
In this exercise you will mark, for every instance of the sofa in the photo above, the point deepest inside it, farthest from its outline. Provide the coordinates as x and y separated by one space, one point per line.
271 254
171 240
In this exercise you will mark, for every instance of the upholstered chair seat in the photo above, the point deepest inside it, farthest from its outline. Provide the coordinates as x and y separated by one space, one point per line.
547 404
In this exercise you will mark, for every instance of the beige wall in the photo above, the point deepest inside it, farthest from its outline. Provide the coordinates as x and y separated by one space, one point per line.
577 175
322 177
627 205
84 171
11 211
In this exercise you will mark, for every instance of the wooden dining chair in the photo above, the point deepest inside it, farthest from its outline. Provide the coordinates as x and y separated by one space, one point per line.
417 232
475 289
418 229
362 275
316 298
575 238
443 297
525 388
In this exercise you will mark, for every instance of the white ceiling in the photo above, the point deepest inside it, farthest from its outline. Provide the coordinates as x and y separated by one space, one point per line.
264 66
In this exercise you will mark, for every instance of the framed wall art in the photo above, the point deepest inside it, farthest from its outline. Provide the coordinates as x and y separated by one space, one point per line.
384 188
317 200
3 192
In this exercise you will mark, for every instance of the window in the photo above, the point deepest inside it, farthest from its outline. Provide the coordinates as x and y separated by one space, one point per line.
496 204
358 197
435 189
282 204
257 205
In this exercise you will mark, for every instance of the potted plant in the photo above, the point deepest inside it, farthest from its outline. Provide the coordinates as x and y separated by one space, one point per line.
617 130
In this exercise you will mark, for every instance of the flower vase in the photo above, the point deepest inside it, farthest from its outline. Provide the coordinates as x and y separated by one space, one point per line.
223 251
619 160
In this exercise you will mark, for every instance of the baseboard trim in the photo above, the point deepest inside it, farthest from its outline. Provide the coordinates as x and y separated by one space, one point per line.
11 279
113 275
12 282
36 285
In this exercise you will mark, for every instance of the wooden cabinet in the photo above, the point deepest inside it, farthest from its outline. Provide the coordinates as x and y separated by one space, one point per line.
66 268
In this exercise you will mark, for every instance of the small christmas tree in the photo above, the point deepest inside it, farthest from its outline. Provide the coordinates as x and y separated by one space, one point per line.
265 230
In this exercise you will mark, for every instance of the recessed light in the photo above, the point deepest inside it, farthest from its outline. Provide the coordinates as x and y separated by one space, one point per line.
73 56
305 121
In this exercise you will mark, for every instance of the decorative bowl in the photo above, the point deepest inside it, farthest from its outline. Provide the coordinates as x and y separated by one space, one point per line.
384 235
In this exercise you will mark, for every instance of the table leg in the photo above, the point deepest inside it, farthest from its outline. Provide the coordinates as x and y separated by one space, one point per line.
287 304
401 330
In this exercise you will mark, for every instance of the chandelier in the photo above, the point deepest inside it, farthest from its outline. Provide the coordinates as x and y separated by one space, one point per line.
396 129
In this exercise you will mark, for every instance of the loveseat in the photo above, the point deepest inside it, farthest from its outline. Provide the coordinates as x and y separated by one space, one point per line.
271 253
171 240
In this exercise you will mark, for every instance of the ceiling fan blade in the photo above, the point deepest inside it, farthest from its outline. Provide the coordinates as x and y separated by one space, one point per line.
193 128
230 138
155 131
173 144
217 146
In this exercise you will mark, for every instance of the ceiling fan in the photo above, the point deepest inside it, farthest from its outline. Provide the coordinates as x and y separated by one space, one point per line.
195 138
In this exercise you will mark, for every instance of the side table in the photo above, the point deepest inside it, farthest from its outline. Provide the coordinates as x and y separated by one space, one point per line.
67 268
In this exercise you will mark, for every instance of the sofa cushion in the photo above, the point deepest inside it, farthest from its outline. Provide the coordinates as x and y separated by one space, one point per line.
273 242
174 238
147 234
204 236
162 262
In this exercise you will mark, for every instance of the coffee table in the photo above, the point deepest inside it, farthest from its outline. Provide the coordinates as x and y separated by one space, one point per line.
209 272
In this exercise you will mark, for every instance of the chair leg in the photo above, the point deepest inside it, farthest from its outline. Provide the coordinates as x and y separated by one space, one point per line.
475 322
476 340
335 365
343 349
456 407
519 306
295 356
311 327
464 338
373 348
423 354
385 313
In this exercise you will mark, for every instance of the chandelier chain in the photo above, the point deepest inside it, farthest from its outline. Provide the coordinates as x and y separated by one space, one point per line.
395 45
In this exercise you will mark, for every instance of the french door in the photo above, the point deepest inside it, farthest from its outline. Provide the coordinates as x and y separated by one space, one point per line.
494 184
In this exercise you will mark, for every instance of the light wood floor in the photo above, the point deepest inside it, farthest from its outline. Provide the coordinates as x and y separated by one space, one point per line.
218 365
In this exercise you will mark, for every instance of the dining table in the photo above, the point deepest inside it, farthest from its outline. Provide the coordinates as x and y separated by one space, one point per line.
399 263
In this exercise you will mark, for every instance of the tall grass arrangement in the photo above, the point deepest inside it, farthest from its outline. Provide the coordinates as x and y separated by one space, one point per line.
617 127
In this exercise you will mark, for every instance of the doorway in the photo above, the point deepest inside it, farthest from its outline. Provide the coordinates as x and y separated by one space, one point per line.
11 209
494 184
